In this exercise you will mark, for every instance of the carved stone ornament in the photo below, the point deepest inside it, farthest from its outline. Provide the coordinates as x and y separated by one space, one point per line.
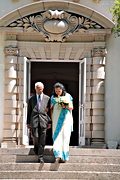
11 51
99 52
96 1
55 25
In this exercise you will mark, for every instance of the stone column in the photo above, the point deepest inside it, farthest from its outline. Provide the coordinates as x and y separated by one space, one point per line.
97 95
2 37
11 108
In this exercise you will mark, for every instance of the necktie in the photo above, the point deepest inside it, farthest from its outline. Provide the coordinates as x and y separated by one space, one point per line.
39 102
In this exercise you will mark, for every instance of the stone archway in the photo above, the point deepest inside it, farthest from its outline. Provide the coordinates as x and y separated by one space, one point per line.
84 32
56 5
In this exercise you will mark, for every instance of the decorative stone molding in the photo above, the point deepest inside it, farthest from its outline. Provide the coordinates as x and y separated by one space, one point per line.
55 25
35 0
76 1
11 51
96 1
15 1
99 52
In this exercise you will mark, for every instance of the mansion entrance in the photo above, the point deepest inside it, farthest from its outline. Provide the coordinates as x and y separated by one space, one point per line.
67 73
52 42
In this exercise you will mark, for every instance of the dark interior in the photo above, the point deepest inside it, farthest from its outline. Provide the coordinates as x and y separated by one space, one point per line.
68 74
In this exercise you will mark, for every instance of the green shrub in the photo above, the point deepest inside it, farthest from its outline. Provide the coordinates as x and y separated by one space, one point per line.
116 16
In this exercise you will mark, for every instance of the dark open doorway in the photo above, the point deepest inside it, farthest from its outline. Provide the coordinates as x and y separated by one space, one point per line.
67 73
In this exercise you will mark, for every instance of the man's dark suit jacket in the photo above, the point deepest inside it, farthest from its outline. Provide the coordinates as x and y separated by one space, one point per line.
35 117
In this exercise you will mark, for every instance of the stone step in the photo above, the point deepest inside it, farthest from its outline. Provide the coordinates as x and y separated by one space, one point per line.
6 158
60 175
91 164
50 159
73 159
73 151
60 167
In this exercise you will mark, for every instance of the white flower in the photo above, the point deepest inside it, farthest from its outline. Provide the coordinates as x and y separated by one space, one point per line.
63 100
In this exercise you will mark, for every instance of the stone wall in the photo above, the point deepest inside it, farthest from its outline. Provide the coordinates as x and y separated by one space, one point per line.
2 38
96 114
13 109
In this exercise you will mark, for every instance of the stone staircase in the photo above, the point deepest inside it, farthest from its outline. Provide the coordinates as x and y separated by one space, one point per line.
84 164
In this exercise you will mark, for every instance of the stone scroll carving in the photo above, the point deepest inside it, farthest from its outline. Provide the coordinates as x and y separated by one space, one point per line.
99 52
55 25
11 51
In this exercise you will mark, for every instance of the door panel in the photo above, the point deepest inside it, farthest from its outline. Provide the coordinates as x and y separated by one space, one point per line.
82 95
25 99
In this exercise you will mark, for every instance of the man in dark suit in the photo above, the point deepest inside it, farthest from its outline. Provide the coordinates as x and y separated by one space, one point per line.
37 119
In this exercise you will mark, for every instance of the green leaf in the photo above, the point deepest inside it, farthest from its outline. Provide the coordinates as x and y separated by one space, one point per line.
115 10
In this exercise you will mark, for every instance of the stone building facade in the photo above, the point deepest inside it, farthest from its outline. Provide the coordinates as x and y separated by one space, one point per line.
67 41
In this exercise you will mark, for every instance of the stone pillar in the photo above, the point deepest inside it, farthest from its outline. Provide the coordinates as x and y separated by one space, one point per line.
11 99
97 95
2 37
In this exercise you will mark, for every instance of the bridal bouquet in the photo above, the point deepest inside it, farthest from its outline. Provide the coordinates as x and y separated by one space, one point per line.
63 101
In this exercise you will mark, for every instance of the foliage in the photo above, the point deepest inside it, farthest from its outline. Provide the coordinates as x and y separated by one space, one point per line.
116 16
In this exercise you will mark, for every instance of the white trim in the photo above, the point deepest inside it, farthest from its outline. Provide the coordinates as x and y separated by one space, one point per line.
81 130
25 138
55 60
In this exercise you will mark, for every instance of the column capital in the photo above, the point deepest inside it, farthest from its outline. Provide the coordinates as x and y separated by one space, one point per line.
99 52
11 51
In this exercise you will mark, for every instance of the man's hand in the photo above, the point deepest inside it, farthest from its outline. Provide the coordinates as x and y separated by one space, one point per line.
49 126
29 126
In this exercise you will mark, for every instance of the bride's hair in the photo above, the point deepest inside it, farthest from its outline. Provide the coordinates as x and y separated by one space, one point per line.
61 86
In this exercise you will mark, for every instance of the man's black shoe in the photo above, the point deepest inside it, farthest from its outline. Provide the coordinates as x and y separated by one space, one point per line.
41 160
